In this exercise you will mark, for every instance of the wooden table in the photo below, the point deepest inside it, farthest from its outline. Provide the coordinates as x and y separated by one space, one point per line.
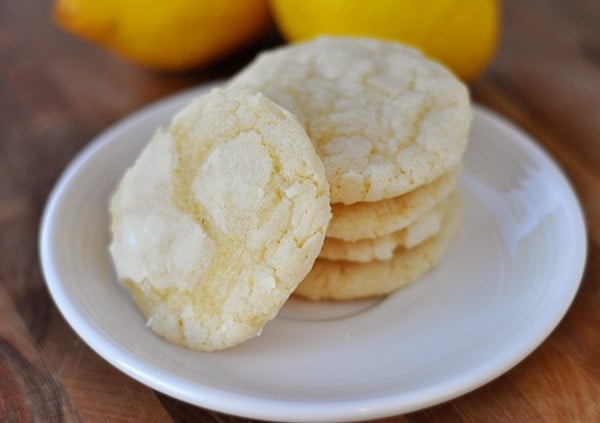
56 92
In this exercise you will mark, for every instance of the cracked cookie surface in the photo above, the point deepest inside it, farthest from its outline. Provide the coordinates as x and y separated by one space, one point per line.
219 219
384 118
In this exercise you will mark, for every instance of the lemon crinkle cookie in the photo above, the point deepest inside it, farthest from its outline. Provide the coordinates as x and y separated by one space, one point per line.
383 247
346 280
380 218
384 118
219 219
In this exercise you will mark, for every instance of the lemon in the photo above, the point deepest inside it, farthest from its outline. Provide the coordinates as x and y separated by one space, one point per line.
166 35
462 34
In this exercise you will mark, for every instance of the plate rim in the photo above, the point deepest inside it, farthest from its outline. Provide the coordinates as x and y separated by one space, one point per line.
286 410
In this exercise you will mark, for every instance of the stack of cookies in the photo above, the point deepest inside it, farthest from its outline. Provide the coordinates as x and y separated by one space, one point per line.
325 169
391 127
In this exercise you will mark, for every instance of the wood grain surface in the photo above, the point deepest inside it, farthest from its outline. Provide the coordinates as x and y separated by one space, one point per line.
57 92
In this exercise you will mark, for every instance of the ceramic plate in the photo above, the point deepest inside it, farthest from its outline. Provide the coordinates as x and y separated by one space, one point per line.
508 279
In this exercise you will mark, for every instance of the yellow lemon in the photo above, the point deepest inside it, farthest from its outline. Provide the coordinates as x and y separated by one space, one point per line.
166 35
462 34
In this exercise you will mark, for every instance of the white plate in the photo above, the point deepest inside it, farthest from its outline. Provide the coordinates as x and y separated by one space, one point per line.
509 278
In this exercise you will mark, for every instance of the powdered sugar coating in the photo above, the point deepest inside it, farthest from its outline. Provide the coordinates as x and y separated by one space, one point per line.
383 118
219 219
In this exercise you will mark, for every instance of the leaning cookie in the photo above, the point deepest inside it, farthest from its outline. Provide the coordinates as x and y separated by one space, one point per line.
345 280
219 219
384 118
383 247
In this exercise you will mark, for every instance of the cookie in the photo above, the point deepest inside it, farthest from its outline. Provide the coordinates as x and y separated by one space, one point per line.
384 118
219 219
345 280
380 218
382 248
